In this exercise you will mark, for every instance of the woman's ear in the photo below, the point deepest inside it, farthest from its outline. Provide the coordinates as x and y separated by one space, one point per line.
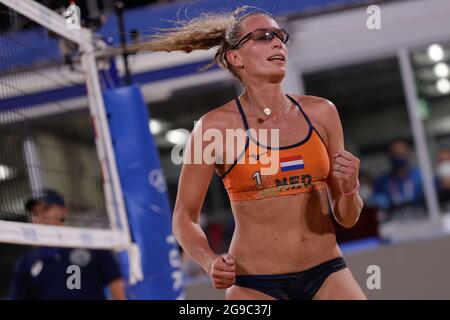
234 59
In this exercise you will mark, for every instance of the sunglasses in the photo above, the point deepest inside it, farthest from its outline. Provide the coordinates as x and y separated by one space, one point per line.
263 36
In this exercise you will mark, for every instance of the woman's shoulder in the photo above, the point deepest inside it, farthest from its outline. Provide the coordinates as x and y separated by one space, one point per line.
223 117
319 109
313 103
322 113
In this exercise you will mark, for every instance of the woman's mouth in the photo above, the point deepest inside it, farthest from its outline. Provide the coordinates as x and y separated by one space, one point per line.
277 58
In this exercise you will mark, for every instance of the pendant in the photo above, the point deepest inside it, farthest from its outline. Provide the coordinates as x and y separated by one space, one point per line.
267 111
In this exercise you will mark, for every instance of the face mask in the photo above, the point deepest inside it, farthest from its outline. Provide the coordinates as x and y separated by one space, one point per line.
443 169
399 162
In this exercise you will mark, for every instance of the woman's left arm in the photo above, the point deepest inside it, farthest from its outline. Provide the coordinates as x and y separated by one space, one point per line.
343 180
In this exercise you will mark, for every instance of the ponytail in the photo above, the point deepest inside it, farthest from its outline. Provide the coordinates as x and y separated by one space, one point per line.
201 33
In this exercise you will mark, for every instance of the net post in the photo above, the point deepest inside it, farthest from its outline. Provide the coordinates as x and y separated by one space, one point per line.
113 189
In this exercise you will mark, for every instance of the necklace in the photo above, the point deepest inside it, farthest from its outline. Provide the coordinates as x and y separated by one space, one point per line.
267 111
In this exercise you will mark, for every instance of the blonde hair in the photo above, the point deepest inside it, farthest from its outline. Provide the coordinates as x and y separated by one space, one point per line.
201 33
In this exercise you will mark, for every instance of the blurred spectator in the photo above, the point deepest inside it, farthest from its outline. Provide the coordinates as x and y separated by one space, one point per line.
443 175
43 273
400 189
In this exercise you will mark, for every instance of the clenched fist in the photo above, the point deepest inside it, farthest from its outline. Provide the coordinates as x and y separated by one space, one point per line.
345 170
223 272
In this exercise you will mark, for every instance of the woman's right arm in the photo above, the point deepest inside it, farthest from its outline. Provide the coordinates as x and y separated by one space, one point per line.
192 187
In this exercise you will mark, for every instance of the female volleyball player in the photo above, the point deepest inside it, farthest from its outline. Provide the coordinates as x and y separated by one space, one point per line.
283 246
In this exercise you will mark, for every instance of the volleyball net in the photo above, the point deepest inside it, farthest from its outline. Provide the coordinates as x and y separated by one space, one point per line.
54 132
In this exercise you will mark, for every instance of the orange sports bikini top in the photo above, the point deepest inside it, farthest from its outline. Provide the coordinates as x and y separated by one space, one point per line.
301 167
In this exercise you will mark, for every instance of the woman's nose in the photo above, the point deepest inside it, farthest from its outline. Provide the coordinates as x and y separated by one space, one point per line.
276 42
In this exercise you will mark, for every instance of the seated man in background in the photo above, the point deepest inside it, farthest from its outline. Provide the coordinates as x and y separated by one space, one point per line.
399 192
43 273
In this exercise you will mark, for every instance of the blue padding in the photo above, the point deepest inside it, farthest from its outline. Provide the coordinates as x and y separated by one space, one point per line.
145 194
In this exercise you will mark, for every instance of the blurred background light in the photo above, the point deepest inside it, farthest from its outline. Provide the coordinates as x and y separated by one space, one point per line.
441 70
155 126
6 172
443 86
177 136
436 52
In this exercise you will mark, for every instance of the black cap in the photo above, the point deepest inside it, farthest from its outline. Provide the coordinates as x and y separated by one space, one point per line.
47 196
